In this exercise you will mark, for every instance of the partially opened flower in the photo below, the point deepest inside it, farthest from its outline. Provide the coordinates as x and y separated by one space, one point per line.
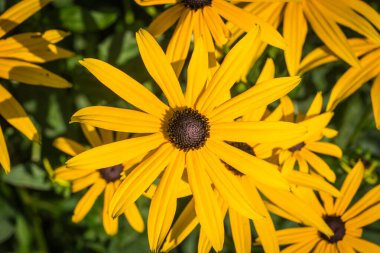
182 134
203 18
16 53
324 18
101 180
347 223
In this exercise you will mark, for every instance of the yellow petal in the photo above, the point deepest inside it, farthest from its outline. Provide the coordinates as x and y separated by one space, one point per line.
64 173
254 98
281 212
366 11
54 36
375 97
349 188
117 119
4 156
343 247
154 2
295 30
165 20
87 201
316 106
164 203
141 178
92 135
267 73
18 13
110 225
68 146
325 148
361 245
365 218
106 135
215 24
241 231
296 235
305 246
329 32
79 184
159 68
134 218
125 87
318 164
28 73
115 153
13 112
204 244
206 206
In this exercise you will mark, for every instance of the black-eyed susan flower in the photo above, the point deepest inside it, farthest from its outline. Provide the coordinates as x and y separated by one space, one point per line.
182 134
203 18
302 151
324 18
101 180
346 223
16 54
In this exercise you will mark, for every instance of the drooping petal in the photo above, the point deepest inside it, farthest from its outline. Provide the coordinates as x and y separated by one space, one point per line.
87 201
115 153
29 73
18 13
204 244
68 146
159 68
375 97
164 203
241 231
125 87
13 112
141 178
4 155
118 119
165 20
325 148
110 225
134 218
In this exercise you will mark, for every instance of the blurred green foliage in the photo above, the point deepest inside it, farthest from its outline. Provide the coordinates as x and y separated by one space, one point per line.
35 213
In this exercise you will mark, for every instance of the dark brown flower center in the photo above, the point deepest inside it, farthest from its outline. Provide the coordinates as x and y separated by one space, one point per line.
196 4
188 129
111 174
297 147
337 226
244 147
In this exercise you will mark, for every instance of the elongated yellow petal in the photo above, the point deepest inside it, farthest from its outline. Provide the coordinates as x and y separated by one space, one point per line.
305 246
13 112
215 24
87 201
55 36
365 218
92 135
281 212
343 247
309 197
141 178
204 244
4 156
325 148
117 119
110 225
295 30
254 98
241 231
258 132
366 11
228 186
369 199
196 73
267 73
354 78
164 203
68 146
31 47
375 97
179 45
18 13
287 109
349 188
134 218
154 2
296 235
64 173
106 135
316 106
318 164
165 20
183 226
159 68
228 73
259 170
361 245
28 73
312 181
115 153
329 32
84 182
125 87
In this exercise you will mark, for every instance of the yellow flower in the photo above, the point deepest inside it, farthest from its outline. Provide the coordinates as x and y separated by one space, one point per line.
324 18
16 53
103 179
186 133
203 18
346 223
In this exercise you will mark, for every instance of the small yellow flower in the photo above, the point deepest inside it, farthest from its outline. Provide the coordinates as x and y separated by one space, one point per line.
99 180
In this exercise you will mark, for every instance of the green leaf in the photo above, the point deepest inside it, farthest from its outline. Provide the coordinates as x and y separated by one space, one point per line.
29 176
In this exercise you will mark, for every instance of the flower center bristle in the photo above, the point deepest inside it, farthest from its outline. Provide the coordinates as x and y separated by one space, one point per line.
196 4
337 226
244 147
112 173
188 129
297 147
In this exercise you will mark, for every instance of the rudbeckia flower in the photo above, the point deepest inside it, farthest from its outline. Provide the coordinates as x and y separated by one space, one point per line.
203 18
16 54
184 133
324 18
102 179
302 150
346 223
